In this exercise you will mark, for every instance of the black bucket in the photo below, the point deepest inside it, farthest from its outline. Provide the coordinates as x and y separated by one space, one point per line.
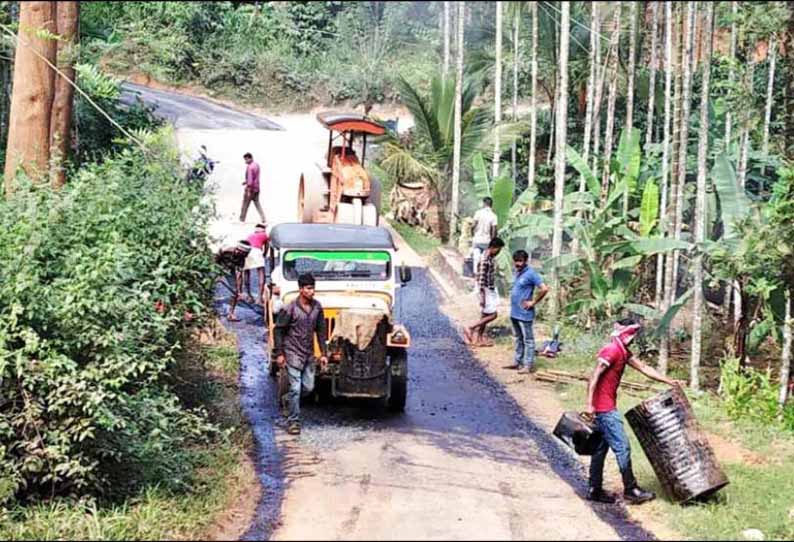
676 446
578 434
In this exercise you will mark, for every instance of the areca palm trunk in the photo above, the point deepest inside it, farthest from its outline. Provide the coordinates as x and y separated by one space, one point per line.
731 287
652 75
453 222
785 358
497 89
591 83
669 284
668 87
613 91
559 158
686 87
632 64
446 40
731 73
769 92
700 204
533 114
516 19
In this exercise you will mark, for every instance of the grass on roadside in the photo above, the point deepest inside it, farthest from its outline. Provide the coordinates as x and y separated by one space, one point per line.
157 514
422 243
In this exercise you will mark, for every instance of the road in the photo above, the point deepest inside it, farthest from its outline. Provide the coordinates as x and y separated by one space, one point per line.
463 462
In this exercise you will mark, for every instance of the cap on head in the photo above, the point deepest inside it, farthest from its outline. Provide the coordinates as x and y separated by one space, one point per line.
244 245
626 329
305 280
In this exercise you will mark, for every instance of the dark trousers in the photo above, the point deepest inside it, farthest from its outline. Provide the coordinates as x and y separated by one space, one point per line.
248 198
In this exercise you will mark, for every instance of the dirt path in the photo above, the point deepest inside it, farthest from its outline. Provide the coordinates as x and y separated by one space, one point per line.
463 462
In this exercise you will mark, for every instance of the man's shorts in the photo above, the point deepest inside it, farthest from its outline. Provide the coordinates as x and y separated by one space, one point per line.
255 259
491 301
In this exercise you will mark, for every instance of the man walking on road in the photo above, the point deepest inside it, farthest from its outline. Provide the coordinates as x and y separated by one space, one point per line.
251 185
486 281
295 329
602 395
522 310
485 222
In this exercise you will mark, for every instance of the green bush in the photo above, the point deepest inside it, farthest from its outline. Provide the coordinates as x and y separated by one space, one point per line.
99 283
753 395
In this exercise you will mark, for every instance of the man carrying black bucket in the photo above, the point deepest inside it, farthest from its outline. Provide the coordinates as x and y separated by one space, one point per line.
602 408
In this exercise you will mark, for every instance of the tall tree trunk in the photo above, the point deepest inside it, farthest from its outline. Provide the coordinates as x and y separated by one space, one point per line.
559 164
601 71
630 90
744 149
591 83
685 114
533 114
613 92
652 75
445 71
731 289
632 64
769 92
6 70
669 285
700 203
61 124
453 223
34 87
668 90
785 357
731 73
497 116
516 20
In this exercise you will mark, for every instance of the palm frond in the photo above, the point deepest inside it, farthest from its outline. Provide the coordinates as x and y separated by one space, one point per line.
425 122
401 164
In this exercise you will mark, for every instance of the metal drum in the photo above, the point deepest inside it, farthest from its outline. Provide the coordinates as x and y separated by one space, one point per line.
676 447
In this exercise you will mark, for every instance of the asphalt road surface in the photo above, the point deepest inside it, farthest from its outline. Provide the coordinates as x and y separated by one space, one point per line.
463 462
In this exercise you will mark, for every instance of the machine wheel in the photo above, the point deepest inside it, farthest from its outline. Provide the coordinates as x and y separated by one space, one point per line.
345 214
375 193
310 198
370 215
399 384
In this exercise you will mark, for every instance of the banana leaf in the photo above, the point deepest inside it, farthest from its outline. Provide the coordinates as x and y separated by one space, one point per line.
649 210
667 318
503 188
734 202
578 163
482 186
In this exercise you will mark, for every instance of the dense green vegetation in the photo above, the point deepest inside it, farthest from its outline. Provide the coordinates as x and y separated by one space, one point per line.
273 54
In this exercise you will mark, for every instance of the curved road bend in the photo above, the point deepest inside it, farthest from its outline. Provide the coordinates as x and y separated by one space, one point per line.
463 461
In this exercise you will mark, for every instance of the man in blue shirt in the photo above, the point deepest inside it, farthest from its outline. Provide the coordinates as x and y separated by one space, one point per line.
522 310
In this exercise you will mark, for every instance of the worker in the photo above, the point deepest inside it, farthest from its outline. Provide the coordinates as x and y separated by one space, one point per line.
483 231
251 184
474 335
523 300
602 410
233 260
256 262
294 333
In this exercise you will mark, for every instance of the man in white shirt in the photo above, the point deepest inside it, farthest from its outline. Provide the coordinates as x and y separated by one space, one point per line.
484 227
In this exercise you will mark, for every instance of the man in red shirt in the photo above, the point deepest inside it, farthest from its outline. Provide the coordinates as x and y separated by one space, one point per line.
602 393
251 185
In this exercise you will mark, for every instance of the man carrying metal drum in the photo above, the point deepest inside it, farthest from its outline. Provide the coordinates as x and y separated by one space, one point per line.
602 393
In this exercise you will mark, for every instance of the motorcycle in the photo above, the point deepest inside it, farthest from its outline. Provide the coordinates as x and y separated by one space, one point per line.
202 167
